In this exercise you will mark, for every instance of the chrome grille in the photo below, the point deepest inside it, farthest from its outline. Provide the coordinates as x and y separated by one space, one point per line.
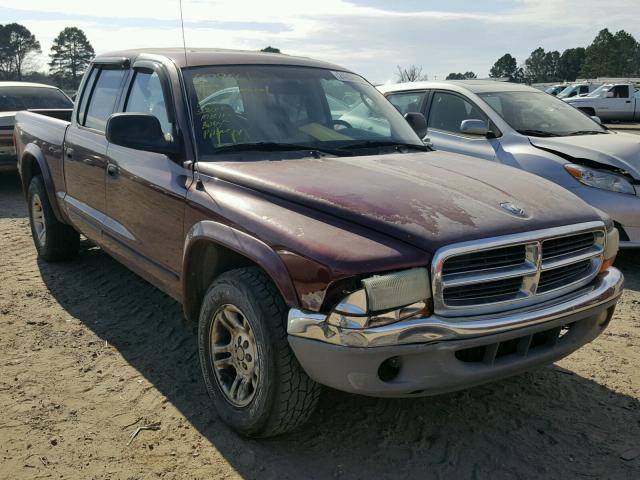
556 278
569 244
504 257
483 292
514 271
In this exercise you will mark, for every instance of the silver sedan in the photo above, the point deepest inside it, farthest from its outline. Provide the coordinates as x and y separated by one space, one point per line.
522 127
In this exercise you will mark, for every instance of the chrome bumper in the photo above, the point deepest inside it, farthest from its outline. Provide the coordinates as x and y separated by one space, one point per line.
606 287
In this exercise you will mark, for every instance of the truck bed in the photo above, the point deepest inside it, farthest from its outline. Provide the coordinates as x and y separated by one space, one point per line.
47 129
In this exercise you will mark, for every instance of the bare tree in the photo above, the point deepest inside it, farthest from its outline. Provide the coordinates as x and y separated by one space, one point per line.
411 74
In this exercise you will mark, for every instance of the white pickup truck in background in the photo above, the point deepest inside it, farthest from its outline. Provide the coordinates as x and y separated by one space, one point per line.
611 101
579 89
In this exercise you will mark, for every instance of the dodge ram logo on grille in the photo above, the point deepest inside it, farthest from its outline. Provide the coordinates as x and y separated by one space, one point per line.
513 209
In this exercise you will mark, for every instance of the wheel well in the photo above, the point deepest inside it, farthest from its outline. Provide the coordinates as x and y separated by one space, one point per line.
29 169
587 110
207 261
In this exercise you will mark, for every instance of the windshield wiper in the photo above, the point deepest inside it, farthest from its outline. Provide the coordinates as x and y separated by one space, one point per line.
536 133
378 143
272 147
585 132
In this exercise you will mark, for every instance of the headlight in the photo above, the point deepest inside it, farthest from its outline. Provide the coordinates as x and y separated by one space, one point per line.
612 243
384 299
600 179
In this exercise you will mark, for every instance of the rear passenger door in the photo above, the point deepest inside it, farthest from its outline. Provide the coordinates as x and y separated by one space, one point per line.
145 191
445 112
85 153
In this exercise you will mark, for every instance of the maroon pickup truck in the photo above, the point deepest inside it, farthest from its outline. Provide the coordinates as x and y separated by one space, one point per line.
305 227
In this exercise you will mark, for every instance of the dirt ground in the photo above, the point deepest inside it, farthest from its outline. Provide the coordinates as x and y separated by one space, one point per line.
89 352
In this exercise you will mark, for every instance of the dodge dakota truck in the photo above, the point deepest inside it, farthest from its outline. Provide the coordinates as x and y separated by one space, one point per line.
308 250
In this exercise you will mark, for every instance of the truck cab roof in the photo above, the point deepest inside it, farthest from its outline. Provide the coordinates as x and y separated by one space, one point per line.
195 57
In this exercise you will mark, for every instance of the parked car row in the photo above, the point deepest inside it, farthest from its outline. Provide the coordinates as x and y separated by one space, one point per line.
579 89
611 102
313 236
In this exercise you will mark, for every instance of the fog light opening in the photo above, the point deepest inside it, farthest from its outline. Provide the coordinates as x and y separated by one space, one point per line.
389 369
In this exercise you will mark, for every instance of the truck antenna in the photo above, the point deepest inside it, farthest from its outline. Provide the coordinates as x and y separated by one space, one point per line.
184 42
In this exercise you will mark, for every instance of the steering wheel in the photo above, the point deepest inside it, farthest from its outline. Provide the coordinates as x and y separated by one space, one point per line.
341 122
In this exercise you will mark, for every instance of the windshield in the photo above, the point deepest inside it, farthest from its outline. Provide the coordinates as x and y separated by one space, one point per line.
250 106
568 91
598 91
538 114
13 99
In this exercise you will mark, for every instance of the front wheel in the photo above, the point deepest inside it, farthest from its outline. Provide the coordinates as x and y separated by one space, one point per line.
53 240
257 385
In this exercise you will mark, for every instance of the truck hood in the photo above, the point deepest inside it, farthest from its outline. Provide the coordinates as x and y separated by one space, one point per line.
619 150
579 99
425 199
7 119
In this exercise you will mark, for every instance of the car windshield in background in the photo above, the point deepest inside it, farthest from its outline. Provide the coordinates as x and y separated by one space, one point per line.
598 91
539 114
249 107
13 99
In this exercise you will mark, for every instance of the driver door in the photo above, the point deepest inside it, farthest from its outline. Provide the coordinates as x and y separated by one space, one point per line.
146 191
445 112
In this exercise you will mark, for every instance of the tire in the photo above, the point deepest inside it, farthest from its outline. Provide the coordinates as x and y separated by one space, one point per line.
54 240
275 395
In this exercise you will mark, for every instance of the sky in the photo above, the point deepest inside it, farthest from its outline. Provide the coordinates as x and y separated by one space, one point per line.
370 37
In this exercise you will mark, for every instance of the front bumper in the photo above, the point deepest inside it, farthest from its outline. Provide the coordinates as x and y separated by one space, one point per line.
435 354
623 209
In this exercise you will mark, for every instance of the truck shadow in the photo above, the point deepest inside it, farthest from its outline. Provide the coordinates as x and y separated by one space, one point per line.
549 423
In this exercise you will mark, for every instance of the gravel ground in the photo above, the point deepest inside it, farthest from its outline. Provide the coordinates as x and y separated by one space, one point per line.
89 352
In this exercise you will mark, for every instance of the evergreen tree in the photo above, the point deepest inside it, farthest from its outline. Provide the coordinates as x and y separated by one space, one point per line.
570 63
17 44
505 67
70 55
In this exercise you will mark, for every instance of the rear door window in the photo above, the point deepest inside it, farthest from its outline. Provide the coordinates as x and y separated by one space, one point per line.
406 102
103 100
86 92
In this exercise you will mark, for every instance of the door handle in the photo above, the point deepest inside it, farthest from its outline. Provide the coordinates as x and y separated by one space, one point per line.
69 152
112 170
628 101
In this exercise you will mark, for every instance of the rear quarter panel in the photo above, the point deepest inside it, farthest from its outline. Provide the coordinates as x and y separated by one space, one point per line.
42 138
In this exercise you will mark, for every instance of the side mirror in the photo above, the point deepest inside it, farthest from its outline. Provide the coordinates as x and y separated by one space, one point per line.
609 95
417 122
140 131
596 119
474 127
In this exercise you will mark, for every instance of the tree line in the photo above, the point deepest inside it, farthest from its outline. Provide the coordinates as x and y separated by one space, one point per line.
609 55
70 55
